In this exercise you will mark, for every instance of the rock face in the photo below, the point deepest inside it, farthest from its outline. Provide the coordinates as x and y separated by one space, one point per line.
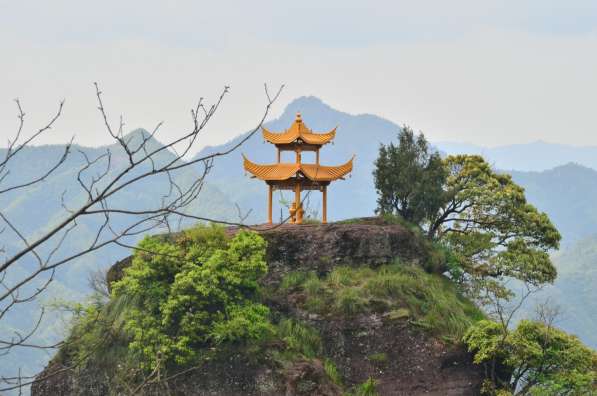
321 247
404 360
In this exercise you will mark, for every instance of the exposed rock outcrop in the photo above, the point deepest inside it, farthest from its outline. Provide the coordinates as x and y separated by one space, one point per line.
321 247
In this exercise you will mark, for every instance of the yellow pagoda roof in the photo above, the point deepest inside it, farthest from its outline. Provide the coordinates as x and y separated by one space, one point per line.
284 171
298 130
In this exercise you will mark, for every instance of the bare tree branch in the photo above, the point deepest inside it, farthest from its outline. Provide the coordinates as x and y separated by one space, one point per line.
101 181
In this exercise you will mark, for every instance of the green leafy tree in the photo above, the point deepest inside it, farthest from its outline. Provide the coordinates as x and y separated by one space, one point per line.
196 291
540 359
481 216
409 178
487 222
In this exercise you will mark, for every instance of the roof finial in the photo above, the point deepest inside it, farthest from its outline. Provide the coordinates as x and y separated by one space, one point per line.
298 117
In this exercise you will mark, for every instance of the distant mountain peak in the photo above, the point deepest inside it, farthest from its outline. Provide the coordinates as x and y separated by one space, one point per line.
139 133
309 106
136 137
571 167
317 114
308 101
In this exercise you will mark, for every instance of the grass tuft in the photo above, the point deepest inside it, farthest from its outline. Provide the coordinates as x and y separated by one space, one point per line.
299 338
367 388
349 301
402 292
381 357
332 372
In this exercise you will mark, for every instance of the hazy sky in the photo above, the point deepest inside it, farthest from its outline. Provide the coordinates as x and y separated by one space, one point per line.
486 72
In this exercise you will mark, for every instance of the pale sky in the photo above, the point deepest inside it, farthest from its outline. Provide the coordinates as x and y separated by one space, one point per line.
484 72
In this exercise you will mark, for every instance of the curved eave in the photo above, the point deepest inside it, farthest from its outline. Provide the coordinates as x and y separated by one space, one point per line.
277 172
318 138
313 172
326 173
279 138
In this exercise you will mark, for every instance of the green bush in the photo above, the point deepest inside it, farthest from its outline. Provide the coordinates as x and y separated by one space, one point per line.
244 322
313 284
195 291
294 279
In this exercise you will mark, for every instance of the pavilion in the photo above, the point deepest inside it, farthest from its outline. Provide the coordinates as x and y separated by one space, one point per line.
297 176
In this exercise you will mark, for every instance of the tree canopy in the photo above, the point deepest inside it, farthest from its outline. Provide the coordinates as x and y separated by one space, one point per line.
487 221
409 177
462 203
541 359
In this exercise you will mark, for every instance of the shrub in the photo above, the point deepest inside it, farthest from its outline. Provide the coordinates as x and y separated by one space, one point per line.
313 284
293 279
197 291
244 323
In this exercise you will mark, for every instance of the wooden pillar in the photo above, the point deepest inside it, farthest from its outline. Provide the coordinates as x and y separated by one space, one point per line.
298 156
324 205
269 203
278 155
317 156
297 200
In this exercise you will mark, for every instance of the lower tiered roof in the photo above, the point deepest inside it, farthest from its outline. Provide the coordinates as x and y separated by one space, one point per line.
285 171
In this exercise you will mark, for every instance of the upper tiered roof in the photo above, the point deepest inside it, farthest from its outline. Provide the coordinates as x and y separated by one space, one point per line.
299 131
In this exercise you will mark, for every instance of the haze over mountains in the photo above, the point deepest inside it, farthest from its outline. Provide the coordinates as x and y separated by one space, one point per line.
566 191
535 156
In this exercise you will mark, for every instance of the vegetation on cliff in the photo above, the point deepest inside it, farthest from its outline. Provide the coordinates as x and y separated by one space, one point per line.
400 291
491 236
177 299
197 298
542 359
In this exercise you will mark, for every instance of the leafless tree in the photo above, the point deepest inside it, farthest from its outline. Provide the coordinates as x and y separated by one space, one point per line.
548 312
98 283
101 181
503 302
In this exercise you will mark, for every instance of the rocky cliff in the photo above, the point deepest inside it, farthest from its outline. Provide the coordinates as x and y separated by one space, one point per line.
385 342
